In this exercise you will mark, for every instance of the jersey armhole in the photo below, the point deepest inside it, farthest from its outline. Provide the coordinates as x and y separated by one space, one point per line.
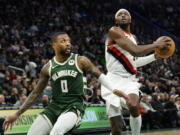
76 56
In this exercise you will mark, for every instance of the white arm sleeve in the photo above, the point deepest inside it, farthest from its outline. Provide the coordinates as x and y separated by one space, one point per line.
105 81
141 61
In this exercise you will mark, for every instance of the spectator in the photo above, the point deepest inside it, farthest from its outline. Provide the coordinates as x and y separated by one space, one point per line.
162 98
7 75
6 85
89 93
24 91
15 84
86 98
14 95
172 92
170 114
97 98
13 75
7 96
149 117
30 68
177 103
48 92
156 104
26 83
21 101
45 100
166 97
2 101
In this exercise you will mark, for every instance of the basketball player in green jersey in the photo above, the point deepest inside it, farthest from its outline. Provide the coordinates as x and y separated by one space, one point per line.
65 73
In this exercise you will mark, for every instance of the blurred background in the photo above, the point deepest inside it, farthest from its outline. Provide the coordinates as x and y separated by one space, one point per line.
25 26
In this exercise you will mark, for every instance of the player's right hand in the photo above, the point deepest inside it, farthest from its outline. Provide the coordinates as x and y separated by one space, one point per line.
9 121
163 42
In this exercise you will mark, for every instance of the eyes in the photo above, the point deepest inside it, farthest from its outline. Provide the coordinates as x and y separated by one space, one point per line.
65 40
125 13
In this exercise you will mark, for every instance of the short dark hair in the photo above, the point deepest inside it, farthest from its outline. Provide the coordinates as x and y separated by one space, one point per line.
54 36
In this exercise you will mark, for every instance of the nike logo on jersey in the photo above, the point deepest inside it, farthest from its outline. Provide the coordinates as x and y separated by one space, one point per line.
54 67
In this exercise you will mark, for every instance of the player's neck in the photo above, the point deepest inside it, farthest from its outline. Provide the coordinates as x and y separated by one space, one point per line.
126 28
61 58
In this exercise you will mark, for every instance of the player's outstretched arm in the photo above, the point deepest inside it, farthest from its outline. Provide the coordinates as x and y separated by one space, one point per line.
86 66
117 35
32 98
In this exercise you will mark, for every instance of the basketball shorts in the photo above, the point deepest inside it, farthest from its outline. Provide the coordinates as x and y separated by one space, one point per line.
53 111
129 85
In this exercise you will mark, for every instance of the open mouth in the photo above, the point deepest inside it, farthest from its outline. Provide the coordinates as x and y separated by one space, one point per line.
68 50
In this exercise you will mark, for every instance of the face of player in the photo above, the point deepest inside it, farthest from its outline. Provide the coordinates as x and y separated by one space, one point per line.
62 45
123 18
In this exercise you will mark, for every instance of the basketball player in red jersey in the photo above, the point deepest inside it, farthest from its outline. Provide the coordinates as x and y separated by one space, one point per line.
123 56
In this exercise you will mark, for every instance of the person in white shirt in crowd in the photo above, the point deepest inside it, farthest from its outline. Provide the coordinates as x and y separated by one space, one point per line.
30 68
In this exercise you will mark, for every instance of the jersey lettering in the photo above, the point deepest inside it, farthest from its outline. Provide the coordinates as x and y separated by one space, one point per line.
63 73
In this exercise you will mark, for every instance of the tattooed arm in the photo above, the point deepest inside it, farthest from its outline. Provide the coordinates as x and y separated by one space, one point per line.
86 66
32 98
36 93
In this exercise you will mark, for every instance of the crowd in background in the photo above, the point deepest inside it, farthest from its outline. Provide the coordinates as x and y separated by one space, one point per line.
25 27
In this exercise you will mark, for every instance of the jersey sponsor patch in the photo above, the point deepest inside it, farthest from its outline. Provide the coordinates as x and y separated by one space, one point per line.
71 62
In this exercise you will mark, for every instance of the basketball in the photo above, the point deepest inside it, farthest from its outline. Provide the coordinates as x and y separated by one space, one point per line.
166 51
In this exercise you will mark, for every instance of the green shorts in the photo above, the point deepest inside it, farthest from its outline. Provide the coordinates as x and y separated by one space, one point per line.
53 111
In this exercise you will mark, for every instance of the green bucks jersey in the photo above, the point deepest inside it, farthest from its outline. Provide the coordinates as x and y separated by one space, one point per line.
67 87
66 80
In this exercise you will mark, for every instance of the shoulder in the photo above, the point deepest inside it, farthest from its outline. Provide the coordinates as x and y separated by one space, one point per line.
84 63
116 32
82 59
116 28
45 69
135 38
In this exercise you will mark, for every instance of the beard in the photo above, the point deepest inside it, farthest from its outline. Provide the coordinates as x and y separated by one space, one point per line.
66 54
124 26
